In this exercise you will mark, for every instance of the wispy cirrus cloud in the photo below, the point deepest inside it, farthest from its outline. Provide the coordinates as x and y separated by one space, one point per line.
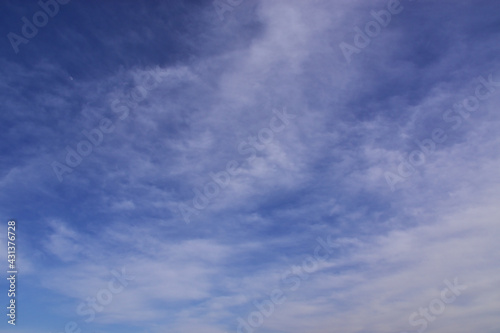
217 84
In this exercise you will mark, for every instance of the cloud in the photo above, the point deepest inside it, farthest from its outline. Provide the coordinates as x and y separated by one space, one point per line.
209 87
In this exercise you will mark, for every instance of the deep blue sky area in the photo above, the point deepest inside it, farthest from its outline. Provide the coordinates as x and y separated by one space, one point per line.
251 166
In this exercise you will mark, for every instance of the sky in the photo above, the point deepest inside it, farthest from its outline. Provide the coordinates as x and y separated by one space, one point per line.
280 166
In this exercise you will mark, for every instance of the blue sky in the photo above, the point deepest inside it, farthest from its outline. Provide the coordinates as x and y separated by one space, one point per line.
194 158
